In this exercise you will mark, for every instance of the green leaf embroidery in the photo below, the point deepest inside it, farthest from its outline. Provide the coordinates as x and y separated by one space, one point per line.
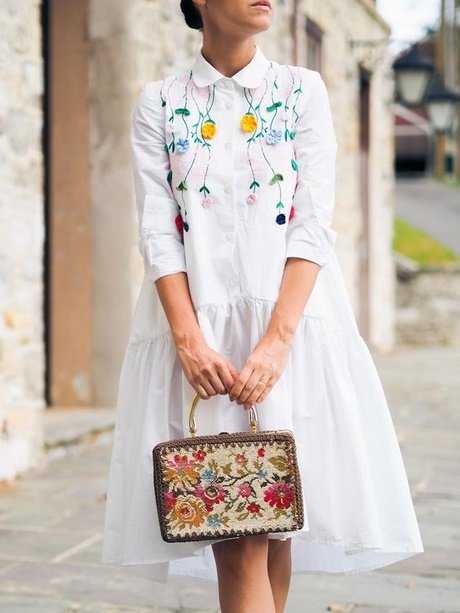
185 112
280 205
163 102
254 184
292 135
205 190
274 106
172 146
170 174
279 462
182 187
276 179
294 165
166 148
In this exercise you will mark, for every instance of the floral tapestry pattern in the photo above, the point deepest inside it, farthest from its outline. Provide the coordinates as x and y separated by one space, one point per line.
210 489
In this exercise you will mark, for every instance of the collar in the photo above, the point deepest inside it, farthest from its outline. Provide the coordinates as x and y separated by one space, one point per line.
251 76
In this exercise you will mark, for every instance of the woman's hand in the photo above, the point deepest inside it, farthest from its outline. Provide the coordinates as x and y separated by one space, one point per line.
262 370
208 372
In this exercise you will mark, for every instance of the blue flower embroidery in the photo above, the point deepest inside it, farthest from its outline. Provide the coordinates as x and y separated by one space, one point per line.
186 226
281 219
214 521
274 137
208 476
182 145
262 473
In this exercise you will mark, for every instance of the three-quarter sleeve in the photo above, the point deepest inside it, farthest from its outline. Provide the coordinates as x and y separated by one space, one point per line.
160 241
309 235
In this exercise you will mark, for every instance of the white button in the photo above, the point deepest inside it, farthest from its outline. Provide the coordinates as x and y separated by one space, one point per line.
228 105
229 236
227 84
228 146
228 189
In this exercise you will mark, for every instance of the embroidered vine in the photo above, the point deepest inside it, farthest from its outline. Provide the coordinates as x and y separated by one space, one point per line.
271 117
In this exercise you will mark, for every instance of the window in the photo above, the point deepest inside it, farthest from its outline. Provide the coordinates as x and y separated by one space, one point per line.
314 40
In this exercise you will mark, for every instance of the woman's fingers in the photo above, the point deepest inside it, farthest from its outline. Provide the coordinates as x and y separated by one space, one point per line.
211 375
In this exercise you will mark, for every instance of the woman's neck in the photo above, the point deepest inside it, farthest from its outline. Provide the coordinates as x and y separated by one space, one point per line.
228 57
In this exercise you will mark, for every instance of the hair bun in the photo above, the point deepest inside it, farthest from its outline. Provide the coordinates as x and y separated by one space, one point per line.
191 14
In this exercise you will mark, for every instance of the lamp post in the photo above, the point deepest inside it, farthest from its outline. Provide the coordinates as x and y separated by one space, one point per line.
418 84
413 73
441 102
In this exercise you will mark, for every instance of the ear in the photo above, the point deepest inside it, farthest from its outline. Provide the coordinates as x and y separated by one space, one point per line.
200 3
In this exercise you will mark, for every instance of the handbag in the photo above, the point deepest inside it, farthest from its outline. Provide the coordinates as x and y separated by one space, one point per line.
227 485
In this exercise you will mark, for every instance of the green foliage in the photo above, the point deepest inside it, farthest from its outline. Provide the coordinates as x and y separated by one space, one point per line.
418 246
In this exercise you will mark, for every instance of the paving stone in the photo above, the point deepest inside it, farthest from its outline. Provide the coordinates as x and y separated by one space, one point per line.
57 513
22 604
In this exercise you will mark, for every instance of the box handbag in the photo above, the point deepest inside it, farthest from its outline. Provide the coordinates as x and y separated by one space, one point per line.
227 485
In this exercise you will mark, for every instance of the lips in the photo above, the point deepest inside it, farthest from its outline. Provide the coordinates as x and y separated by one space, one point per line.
266 3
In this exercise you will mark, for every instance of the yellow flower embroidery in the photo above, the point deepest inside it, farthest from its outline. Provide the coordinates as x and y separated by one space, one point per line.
188 512
208 130
249 123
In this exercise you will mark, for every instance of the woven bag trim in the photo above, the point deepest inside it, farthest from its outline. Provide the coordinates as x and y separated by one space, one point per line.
228 440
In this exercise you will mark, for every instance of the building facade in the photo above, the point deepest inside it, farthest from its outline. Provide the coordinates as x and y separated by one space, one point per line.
69 266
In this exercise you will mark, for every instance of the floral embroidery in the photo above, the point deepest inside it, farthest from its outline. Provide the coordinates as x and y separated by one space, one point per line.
208 130
281 219
182 145
271 116
208 476
280 495
181 472
292 213
244 490
274 137
179 224
249 123
251 485
188 512
214 521
241 459
211 494
253 508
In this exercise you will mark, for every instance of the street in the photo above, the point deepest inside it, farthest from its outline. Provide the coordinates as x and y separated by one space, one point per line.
431 207
51 521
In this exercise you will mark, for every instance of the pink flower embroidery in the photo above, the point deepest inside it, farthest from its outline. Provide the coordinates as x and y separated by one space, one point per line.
206 203
251 199
241 459
292 213
244 490
280 495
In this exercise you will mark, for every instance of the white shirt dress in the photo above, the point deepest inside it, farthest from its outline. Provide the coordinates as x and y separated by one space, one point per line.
232 177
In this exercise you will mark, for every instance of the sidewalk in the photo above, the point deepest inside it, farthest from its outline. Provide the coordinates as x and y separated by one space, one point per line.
432 207
51 521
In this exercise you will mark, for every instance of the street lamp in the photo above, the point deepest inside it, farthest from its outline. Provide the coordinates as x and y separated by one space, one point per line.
413 74
441 102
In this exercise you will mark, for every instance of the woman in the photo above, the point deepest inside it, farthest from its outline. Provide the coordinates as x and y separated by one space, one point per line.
244 303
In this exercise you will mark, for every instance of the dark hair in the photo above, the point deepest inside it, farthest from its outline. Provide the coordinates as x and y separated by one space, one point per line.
192 14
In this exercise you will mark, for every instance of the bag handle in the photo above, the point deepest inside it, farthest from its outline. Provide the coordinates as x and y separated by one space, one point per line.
252 417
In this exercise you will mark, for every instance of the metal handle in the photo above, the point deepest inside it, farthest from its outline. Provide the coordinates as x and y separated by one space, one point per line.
252 417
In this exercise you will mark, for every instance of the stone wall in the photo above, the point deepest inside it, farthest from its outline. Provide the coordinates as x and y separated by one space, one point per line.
21 237
342 22
428 309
